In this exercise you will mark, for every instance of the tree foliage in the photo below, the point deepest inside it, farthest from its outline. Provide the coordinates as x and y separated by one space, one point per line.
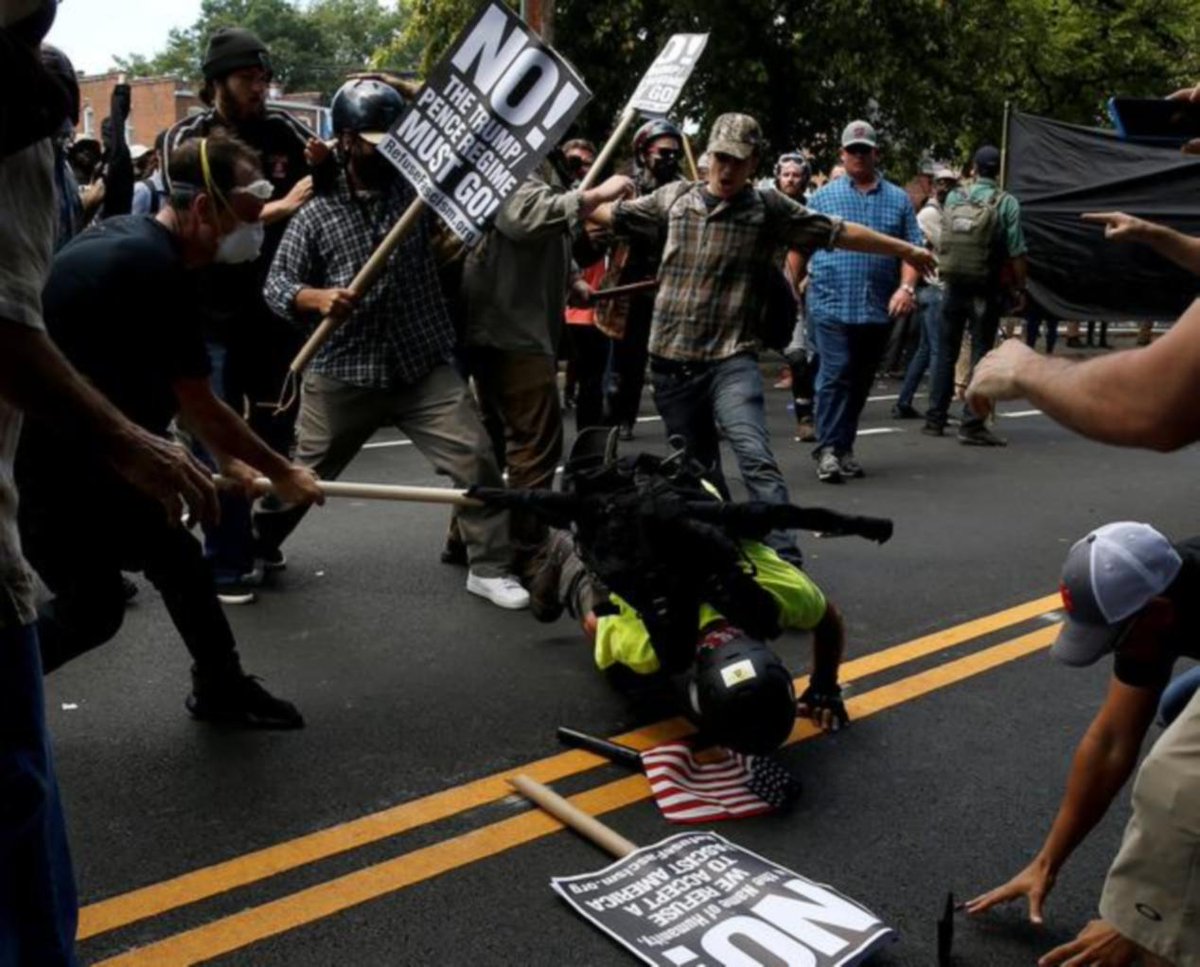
313 46
933 75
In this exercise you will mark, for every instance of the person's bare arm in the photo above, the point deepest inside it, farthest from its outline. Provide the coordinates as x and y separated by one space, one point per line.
289 204
1137 398
822 700
1183 250
228 437
1103 762
36 378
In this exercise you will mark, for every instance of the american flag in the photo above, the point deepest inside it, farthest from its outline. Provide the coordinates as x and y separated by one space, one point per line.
732 787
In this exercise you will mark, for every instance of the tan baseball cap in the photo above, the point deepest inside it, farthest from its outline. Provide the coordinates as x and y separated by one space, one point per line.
735 134
859 132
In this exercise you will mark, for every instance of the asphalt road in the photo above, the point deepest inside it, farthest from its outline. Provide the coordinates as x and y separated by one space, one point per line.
381 838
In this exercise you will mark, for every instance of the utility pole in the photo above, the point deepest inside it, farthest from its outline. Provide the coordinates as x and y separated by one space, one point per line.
539 14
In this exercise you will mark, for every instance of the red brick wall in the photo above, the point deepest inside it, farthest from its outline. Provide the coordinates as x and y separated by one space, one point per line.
153 105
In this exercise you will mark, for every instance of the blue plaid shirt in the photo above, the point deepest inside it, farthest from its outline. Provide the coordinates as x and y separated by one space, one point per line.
853 287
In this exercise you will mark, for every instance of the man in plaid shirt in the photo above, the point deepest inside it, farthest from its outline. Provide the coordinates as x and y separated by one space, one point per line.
723 239
852 298
390 361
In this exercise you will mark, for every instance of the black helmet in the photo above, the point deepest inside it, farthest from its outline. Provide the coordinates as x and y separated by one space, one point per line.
741 693
648 132
367 108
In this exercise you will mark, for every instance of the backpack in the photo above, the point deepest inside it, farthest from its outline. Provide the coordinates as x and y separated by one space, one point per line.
968 250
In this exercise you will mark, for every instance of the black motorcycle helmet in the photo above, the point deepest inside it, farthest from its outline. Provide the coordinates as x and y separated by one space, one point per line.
366 108
741 693
650 132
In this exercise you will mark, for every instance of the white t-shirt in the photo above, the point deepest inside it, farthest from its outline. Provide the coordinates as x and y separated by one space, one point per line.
26 247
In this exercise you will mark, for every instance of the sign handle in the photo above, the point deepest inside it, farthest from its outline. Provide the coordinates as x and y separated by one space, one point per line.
627 118
366 491
363 281
691 158
573 816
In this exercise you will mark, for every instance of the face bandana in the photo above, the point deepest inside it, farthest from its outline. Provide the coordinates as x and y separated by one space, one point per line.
245 242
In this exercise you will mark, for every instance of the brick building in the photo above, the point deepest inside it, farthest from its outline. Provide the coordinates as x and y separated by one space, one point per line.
158 102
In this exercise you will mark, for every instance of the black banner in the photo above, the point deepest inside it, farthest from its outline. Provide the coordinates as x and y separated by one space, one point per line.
1058 171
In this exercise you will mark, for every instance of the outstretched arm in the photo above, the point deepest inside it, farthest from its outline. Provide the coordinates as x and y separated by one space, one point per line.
1137 398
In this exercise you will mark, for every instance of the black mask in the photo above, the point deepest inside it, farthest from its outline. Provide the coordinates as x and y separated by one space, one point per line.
664 166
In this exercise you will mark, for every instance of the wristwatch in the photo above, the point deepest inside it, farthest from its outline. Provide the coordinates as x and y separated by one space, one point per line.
909 289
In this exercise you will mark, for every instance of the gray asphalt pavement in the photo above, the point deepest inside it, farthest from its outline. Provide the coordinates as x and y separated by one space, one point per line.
413 688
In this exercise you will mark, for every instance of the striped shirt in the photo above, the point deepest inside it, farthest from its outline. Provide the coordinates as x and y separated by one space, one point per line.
854 287
400 329
713 270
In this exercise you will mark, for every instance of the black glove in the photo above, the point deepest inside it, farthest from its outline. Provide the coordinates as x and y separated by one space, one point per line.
824 697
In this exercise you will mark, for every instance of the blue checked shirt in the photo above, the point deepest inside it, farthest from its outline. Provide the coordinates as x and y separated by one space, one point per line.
400 329
853 287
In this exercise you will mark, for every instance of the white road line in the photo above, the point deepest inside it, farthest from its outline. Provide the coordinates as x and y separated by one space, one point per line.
1020 413
877 430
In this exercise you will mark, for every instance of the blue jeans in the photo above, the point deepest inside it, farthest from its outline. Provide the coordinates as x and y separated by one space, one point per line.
703 401
228 544
928 356
850 354
1177 695
973 309
39 910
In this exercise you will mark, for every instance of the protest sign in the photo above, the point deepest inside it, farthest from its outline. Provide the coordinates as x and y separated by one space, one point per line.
488 113
662 84
656 93
698 900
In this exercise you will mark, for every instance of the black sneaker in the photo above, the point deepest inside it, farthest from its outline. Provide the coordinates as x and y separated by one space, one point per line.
934 429
850 466
980 436
905 411
271 559
239 700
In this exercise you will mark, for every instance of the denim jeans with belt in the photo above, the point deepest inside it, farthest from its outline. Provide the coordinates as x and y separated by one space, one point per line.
705 400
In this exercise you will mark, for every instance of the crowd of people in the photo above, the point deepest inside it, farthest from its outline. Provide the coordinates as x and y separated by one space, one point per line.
249 231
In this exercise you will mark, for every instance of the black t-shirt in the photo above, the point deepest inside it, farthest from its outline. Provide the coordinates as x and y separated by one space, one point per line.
123 309
1154 670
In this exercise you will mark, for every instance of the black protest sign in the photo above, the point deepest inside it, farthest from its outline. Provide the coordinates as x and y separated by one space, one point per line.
662 83
698 900
489 112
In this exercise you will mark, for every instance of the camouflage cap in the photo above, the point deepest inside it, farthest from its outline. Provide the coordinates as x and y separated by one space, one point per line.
735 134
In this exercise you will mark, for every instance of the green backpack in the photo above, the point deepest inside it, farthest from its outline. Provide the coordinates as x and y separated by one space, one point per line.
968 249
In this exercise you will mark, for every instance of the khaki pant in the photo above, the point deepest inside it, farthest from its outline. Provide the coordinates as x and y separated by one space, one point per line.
437 414
518 395
1152 894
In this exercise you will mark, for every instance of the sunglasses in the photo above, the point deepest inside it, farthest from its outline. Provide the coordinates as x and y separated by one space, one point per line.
857 149
577 162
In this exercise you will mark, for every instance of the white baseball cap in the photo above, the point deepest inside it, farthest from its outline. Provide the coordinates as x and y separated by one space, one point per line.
1108 577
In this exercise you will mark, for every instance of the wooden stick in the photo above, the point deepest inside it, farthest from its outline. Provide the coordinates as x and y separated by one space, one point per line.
644 285
366 491
569 815
691 158
366 276
627 118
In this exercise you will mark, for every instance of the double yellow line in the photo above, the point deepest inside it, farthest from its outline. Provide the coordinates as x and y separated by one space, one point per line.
325 899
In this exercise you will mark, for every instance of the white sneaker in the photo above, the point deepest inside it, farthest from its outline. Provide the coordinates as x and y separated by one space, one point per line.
504 591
